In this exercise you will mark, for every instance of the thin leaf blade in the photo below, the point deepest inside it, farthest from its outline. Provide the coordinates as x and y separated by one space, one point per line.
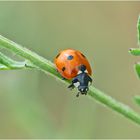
137 69
134 51
138 30
137 99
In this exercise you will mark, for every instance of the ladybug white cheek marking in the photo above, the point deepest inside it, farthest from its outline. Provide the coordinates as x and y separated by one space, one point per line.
77 84
86 71
79 72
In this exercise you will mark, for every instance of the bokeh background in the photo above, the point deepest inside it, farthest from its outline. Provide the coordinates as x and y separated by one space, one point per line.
35 105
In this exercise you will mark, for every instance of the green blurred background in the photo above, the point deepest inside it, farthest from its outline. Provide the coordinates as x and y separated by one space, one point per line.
35 105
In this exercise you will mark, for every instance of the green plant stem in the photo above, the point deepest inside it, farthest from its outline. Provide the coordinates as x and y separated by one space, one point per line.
47 66
35 59
14 67
115 105
7 63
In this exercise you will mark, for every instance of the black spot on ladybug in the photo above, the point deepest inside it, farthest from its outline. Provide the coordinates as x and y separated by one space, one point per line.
70 57
63 69
83 55
57 55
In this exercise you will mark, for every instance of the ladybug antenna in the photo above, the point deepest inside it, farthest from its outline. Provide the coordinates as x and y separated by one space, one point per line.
82 68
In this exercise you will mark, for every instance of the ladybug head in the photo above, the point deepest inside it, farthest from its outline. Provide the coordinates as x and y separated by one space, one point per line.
82 68
81 81
83 89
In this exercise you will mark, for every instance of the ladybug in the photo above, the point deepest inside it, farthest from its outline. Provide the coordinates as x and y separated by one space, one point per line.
74 66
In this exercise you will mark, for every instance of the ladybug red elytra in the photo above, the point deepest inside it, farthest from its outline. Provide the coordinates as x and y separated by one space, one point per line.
72 64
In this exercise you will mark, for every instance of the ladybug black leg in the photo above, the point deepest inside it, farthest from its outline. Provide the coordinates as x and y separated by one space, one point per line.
71 86
63 78
77 95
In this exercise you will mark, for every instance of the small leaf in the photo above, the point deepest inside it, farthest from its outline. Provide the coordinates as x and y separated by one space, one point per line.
137 99
134 51
138 30
137 68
